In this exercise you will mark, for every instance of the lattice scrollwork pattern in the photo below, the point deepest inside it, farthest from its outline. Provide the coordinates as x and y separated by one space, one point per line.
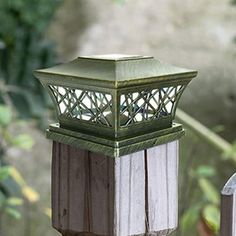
148 105
85 105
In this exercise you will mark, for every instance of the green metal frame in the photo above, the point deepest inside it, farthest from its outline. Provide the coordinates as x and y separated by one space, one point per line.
116 130
114 148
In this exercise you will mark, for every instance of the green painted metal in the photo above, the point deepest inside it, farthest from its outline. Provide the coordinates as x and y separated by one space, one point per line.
116 98
114 71
114 148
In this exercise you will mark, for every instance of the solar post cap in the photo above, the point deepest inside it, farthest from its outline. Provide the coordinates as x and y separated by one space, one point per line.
115 104
115 147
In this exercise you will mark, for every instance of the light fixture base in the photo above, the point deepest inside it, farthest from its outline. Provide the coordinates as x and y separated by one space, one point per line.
114 148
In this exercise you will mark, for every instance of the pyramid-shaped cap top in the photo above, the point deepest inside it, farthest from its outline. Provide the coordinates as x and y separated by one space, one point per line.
115 71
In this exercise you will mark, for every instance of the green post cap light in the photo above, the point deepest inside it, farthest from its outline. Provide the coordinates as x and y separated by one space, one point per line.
115 104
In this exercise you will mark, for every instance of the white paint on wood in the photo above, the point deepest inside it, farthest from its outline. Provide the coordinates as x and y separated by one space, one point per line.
137 194
157 188
130 194
162 167
172 178
234 214
122 191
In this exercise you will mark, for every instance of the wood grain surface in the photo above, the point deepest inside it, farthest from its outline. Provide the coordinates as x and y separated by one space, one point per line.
135 194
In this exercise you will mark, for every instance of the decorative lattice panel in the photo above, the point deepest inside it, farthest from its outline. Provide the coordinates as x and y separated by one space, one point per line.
85 105
148 105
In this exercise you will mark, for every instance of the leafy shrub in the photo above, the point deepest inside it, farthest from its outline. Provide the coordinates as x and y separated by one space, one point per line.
23 48
13 188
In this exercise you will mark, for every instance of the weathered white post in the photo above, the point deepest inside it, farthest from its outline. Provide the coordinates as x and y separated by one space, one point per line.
115 149
228 208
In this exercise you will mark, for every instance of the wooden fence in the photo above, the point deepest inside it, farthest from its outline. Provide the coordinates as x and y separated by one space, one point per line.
228 208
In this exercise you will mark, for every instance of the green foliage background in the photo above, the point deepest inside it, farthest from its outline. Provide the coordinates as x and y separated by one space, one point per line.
23 48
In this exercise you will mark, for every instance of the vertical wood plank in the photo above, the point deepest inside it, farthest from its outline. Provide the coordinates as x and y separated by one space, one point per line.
172 178
122 191
228 208
162 168
157 188
55 181
64 188
137 193
234 211
101 194
130 194
77 198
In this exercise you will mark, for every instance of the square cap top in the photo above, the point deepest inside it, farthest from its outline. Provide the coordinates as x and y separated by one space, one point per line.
116 57
115 71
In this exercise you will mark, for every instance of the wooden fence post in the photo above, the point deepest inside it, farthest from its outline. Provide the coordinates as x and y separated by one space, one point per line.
228 208
115 149
130 195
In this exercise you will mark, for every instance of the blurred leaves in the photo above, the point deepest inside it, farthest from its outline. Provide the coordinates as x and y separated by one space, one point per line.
23 141
30 194
13 212
209 191
14 201
13 187
218 128
48 212
190 218
211 216
230 153
5 115
8 203
23 48
120 1
4 172
2 199
205 171
206 208
17 176
202 175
